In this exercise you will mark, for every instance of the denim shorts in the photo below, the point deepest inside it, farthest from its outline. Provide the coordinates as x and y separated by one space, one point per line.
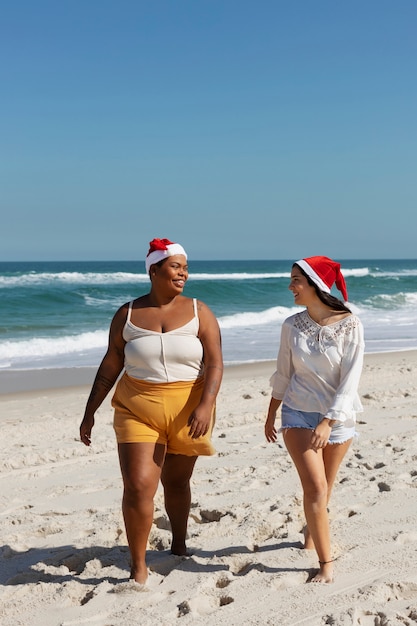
291 418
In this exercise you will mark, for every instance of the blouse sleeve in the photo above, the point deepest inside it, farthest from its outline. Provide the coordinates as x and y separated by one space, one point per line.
280 379
346 399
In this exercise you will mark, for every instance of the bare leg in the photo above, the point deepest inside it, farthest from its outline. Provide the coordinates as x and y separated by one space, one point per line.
176 475
308 541
312 471
140 464
333 455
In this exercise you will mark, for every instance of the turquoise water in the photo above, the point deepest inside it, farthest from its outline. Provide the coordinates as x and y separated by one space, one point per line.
57 314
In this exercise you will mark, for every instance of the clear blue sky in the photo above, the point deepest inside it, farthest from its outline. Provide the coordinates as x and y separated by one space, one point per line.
242 129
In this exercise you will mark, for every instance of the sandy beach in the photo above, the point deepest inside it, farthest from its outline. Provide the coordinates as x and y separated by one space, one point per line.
64 558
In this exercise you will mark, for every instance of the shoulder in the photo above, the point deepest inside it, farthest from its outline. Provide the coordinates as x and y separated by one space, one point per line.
120 317
294 324
204 312
187 304
137 303
200 304
202 307
351 329
296 318
183 301
351 321
122 310
206 317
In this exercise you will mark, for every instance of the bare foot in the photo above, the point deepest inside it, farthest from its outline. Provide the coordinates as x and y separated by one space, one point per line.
180 549
139 574
308 542
325 573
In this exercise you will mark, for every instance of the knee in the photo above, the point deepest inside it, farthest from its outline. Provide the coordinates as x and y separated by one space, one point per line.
176 473
138 488
178 483
316 491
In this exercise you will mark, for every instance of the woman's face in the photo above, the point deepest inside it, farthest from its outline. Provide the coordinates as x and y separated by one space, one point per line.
303 292
173 272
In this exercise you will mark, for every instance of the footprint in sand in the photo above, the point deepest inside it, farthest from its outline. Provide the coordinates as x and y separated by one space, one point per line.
162 522
222 582
383 487
183 609
214 515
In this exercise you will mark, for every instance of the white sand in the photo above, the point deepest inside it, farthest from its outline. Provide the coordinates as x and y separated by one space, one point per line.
64 559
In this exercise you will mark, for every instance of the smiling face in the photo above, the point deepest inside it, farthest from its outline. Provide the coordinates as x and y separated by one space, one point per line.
172 273
303 292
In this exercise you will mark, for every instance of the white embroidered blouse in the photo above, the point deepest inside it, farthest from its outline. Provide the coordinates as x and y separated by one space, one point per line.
319 367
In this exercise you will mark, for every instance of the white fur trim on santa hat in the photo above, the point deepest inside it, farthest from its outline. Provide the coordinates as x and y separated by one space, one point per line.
313 275
159 255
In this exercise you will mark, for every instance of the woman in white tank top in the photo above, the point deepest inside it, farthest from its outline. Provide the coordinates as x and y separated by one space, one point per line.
168 349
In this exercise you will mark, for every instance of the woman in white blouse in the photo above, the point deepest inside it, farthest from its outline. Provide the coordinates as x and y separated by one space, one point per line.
316 381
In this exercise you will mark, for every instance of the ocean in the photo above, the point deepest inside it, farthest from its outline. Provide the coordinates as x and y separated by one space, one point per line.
57 314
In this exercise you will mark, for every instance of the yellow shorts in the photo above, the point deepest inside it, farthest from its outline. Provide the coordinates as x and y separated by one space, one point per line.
159 412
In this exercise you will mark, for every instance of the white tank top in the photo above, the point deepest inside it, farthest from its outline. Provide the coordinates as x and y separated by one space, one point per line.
158 357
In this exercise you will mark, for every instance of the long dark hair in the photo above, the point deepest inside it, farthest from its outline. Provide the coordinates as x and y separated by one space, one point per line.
327 299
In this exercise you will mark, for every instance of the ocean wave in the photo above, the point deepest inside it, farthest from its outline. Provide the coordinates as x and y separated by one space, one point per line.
275 315
121 278
44 347
397 274
359 272
391 301
239 276
246 336
102 303
76 278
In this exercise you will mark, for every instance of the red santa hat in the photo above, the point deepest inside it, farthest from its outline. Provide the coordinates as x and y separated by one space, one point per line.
324 273
160 249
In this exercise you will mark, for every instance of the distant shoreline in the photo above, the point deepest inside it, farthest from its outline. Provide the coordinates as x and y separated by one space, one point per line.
22 381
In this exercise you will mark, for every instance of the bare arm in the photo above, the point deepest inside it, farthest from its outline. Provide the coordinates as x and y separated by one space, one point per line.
209 335
270 430
107 374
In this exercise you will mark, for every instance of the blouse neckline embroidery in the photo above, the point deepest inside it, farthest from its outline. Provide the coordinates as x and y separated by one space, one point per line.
323 336
326 325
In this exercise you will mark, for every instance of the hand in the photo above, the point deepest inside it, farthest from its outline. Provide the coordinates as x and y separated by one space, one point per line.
199 423
270 430
85 429
321 434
